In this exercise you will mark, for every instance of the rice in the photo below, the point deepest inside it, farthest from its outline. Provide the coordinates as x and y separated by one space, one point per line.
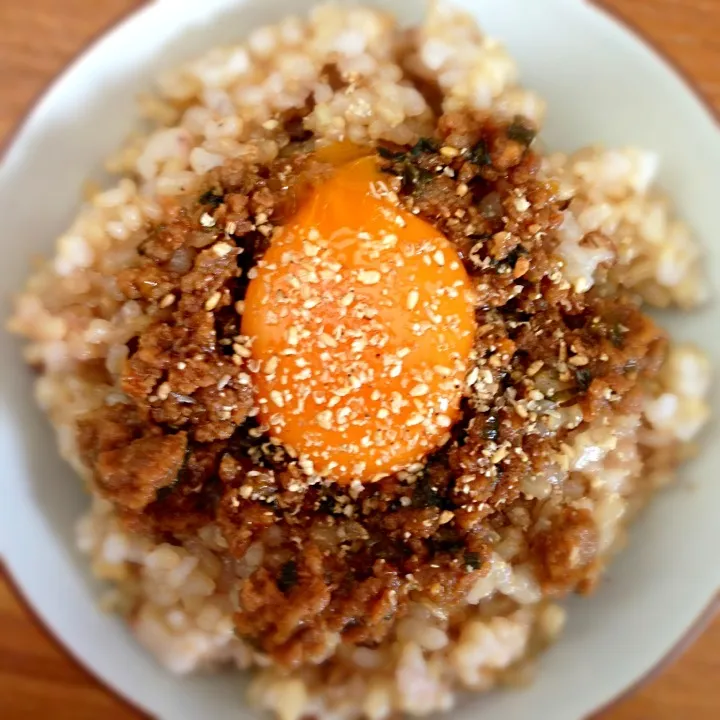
612 191
179 598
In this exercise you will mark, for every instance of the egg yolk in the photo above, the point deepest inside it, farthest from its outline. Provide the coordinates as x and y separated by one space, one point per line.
362 322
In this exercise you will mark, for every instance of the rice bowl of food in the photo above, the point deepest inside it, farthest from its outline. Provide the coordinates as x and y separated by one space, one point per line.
355 349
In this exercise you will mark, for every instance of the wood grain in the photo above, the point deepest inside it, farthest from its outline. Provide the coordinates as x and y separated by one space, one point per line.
37 39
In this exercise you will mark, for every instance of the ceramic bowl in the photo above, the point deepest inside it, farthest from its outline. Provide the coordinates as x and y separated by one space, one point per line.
602 84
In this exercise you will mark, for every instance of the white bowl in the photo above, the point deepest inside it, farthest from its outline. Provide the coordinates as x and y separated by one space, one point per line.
602 84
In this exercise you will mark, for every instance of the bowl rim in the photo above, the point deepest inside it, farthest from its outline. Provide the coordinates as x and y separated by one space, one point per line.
629 27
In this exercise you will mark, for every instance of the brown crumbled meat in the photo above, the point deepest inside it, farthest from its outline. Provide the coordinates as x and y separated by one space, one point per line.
107 428
183 508
131 476
352 577
185 450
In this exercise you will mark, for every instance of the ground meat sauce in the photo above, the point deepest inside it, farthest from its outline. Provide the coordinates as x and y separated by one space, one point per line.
185 449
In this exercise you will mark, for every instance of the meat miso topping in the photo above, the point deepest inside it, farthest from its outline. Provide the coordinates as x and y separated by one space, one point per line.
518 362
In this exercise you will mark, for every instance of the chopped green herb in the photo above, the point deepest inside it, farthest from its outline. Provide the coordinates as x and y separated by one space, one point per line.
388 154
521 131
583 378
480 155
424 145
210 198
288 576
414 177
515 254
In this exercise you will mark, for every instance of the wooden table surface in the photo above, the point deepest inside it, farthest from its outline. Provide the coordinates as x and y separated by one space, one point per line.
37 38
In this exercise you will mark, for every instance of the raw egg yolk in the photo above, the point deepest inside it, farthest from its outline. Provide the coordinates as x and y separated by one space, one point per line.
362 322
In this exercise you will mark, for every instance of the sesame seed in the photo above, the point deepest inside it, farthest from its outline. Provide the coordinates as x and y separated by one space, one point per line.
207 220
369 277
582 285
271 365
415 419
324 419
231 227
521 204
212 302
382 414
534 369
270 124
163 391
310 250
277 398
167 301
439 257
328 340
499 455
473 376
420 390
462 190
449 151
579 360
221 249
412 299
443 421
246 491
347 300
446 516
292 335
181 366
313 234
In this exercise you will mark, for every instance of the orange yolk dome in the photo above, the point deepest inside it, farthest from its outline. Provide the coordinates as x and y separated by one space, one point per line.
362 322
